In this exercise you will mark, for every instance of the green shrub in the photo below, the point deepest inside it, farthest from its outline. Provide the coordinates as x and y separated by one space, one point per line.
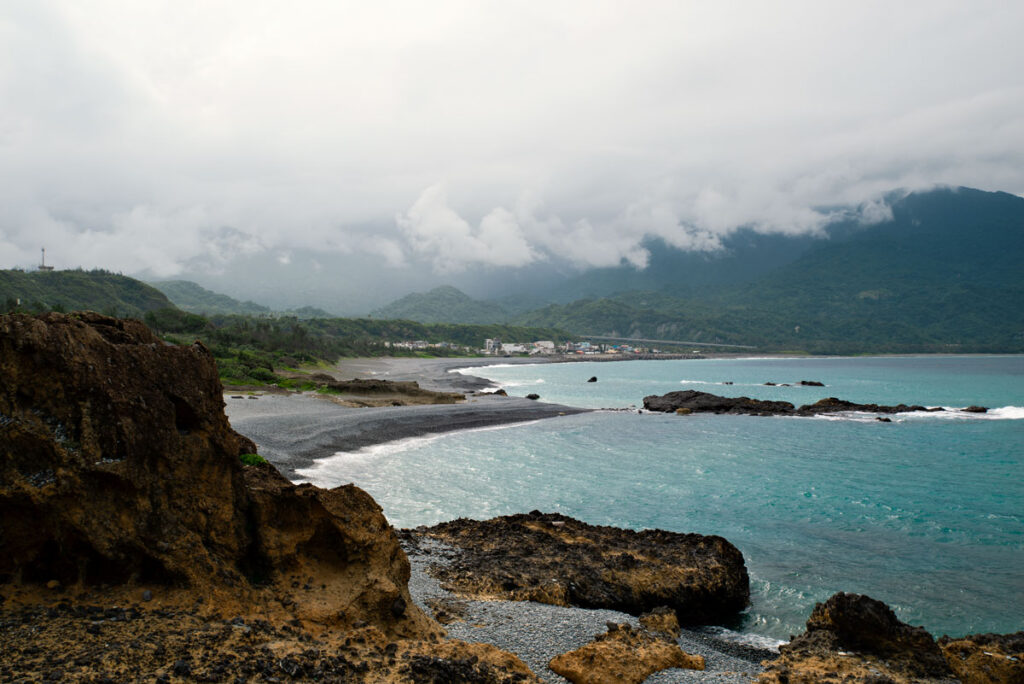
252 459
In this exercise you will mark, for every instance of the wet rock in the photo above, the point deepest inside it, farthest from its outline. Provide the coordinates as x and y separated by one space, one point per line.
976 409
703 402
833 405
854 638
593 378
533 396
622 655
986 658
551 558
810 383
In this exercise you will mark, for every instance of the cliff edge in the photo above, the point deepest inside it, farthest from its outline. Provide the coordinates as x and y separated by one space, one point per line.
118 465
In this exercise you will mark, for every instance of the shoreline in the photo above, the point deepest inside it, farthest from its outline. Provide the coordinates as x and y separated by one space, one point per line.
295 431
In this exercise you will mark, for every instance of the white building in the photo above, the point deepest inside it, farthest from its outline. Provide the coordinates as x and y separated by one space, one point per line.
543 347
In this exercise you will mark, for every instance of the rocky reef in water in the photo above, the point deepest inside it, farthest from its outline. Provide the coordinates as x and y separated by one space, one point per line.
552 558
121 485
692 401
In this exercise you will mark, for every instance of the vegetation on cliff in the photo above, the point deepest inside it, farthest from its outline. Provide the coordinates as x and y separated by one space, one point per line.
97 290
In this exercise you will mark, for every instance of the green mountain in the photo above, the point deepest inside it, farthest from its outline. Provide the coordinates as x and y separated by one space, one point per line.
189 296
98 290
943 275
443 305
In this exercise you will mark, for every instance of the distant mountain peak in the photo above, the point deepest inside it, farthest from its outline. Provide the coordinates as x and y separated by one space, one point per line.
443 304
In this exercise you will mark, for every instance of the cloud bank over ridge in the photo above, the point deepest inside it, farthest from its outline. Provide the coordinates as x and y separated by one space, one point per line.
179 137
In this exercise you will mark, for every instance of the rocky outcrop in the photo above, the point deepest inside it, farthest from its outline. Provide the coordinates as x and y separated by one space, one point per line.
622 655
551 558
119 466
703 402
684 402
986 658
854 638
833 405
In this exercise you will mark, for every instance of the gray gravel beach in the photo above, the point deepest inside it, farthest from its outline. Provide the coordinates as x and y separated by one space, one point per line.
293 430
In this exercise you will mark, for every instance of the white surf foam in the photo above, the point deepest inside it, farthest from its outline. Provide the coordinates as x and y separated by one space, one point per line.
336 468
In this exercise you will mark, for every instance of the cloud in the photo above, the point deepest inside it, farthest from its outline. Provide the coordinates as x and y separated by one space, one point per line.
179 137
434 229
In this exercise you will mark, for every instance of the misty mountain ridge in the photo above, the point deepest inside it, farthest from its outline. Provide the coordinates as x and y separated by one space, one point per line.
191 297
194 298
942 274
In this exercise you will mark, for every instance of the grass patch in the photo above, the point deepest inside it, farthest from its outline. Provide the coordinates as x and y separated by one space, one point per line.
252 459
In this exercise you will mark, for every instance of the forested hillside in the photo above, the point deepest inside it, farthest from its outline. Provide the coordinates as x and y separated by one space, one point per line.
101 291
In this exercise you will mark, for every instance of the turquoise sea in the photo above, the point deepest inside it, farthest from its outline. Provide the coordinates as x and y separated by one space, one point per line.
925 513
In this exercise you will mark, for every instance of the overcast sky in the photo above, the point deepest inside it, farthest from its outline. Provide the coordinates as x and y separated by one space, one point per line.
172 137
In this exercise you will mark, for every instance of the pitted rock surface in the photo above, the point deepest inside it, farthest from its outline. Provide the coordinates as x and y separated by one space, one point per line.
118 466
555 559
854 638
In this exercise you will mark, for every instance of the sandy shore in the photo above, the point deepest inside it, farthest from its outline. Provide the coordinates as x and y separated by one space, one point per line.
294 430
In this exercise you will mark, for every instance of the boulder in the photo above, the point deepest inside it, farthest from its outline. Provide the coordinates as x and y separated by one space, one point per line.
976 409
854 638
533 396
811 383
622 655
593 378
555 559
986 658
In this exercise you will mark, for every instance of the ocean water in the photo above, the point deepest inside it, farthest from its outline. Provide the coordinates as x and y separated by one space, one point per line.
925 513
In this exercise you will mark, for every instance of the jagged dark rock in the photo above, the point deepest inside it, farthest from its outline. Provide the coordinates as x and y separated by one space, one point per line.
855 638
703 402
533 396
593 378
551 558
833 405
811 383
986 658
